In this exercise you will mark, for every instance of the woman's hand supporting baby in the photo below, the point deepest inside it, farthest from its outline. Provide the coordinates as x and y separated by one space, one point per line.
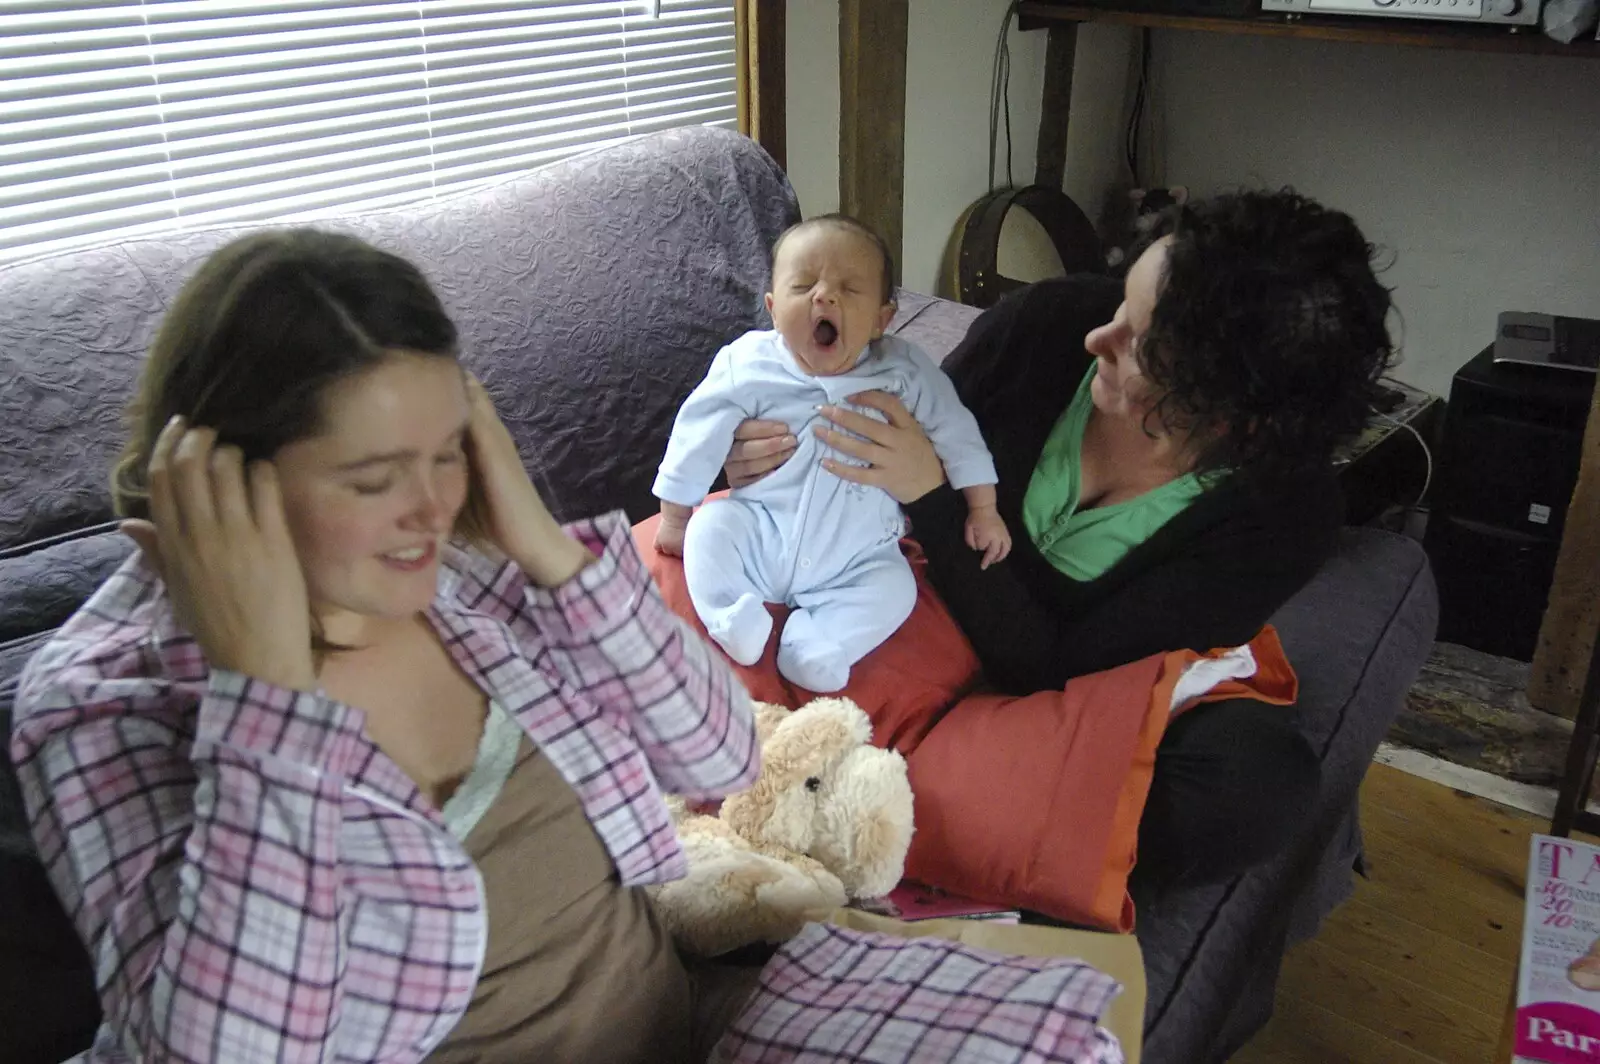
900 459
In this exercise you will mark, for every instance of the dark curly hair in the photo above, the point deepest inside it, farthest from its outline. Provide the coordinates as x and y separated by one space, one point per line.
1269 332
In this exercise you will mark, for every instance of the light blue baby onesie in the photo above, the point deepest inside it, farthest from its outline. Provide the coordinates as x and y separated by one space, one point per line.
802 536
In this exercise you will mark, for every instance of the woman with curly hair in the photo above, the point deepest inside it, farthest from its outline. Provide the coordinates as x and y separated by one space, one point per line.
1166 445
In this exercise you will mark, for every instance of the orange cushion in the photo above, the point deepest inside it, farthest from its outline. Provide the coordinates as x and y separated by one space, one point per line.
1034 802
904 685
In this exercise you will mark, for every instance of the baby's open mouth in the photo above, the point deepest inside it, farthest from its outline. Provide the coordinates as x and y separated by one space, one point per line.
825 333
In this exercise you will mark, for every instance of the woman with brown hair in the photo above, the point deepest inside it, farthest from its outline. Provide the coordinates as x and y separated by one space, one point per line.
285 760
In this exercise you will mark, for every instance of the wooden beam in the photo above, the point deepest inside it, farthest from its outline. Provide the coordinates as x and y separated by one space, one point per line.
872 114
1055 105
1567 636
744 66
761 46
772 89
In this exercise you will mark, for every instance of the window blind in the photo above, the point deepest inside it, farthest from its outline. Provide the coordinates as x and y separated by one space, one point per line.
117 117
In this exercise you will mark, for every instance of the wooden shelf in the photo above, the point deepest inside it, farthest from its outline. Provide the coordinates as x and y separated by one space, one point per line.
1040 14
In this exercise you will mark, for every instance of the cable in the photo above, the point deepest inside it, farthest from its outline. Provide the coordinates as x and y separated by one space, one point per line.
1130 147
1000 95
1427 454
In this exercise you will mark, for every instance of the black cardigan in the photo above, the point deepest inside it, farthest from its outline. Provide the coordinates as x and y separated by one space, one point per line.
1208 578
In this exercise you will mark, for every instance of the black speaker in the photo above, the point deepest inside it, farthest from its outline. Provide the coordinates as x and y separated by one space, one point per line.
1508 462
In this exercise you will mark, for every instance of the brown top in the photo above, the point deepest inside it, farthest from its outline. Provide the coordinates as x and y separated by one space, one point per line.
578 967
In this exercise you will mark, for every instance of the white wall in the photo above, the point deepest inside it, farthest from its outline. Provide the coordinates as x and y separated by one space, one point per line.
1480 173
949 56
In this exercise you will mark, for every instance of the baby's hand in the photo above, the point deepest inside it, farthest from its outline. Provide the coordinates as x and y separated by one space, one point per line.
669 537
987 532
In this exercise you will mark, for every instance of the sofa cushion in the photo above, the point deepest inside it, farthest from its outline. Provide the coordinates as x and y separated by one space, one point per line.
42 583
48 1006
591 296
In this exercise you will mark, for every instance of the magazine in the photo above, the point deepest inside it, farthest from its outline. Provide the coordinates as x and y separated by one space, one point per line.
912 901
1558 984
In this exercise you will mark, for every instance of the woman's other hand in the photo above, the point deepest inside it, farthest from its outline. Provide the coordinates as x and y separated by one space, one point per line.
218 537
900 457
759 447
520 524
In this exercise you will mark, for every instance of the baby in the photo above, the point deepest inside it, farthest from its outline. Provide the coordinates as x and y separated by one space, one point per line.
802 536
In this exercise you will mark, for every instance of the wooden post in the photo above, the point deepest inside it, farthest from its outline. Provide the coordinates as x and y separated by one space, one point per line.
1055 105
872 114
744 67
1567 636
772 89
760 45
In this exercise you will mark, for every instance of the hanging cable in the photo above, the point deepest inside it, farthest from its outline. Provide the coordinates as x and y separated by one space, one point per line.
1000 95
1136 115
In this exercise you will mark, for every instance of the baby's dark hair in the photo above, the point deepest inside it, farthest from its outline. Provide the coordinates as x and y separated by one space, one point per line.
849 224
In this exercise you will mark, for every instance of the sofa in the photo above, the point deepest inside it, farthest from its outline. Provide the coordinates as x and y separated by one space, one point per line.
591 296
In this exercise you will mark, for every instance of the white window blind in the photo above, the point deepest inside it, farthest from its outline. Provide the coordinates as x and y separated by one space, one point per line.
117 117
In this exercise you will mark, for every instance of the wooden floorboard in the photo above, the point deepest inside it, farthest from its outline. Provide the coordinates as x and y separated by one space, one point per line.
1418 966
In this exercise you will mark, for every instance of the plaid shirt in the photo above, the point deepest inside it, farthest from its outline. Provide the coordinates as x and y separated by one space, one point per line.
256 881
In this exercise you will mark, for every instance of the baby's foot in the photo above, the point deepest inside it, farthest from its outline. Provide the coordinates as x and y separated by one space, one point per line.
819 667
741 629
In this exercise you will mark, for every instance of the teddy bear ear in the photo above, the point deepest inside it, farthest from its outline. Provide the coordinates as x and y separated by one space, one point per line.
815 738
867 822
1180 194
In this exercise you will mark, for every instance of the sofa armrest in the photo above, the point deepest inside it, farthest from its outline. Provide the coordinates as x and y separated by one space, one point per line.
933 324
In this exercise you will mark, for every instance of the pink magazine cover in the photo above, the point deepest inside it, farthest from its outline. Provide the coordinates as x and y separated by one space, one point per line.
1558 984
912 901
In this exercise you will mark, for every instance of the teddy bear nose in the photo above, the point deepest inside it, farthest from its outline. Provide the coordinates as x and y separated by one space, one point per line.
814 783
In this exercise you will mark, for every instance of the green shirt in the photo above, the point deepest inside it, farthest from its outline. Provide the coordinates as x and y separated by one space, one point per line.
1084 544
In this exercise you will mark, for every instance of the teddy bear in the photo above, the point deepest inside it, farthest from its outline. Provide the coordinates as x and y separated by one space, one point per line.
828 820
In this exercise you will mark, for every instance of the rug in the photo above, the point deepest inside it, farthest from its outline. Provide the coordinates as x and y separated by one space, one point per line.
1472 709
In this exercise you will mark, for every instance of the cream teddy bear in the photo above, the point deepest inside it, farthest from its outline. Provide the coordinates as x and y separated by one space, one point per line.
828 820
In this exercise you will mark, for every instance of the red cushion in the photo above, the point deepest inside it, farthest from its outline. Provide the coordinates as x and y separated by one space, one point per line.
1034 802
904 686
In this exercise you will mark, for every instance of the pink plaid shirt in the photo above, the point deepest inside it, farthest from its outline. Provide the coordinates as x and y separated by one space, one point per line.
256 881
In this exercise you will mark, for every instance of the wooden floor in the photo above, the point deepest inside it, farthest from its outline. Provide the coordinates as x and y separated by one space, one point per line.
1417 968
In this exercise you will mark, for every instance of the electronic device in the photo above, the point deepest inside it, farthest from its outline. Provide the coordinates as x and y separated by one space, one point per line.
1483 12
1508 461
1548 340
1201 8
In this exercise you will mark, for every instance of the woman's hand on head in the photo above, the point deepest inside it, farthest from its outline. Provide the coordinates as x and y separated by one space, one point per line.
218 537
520 524
900 458
758 448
